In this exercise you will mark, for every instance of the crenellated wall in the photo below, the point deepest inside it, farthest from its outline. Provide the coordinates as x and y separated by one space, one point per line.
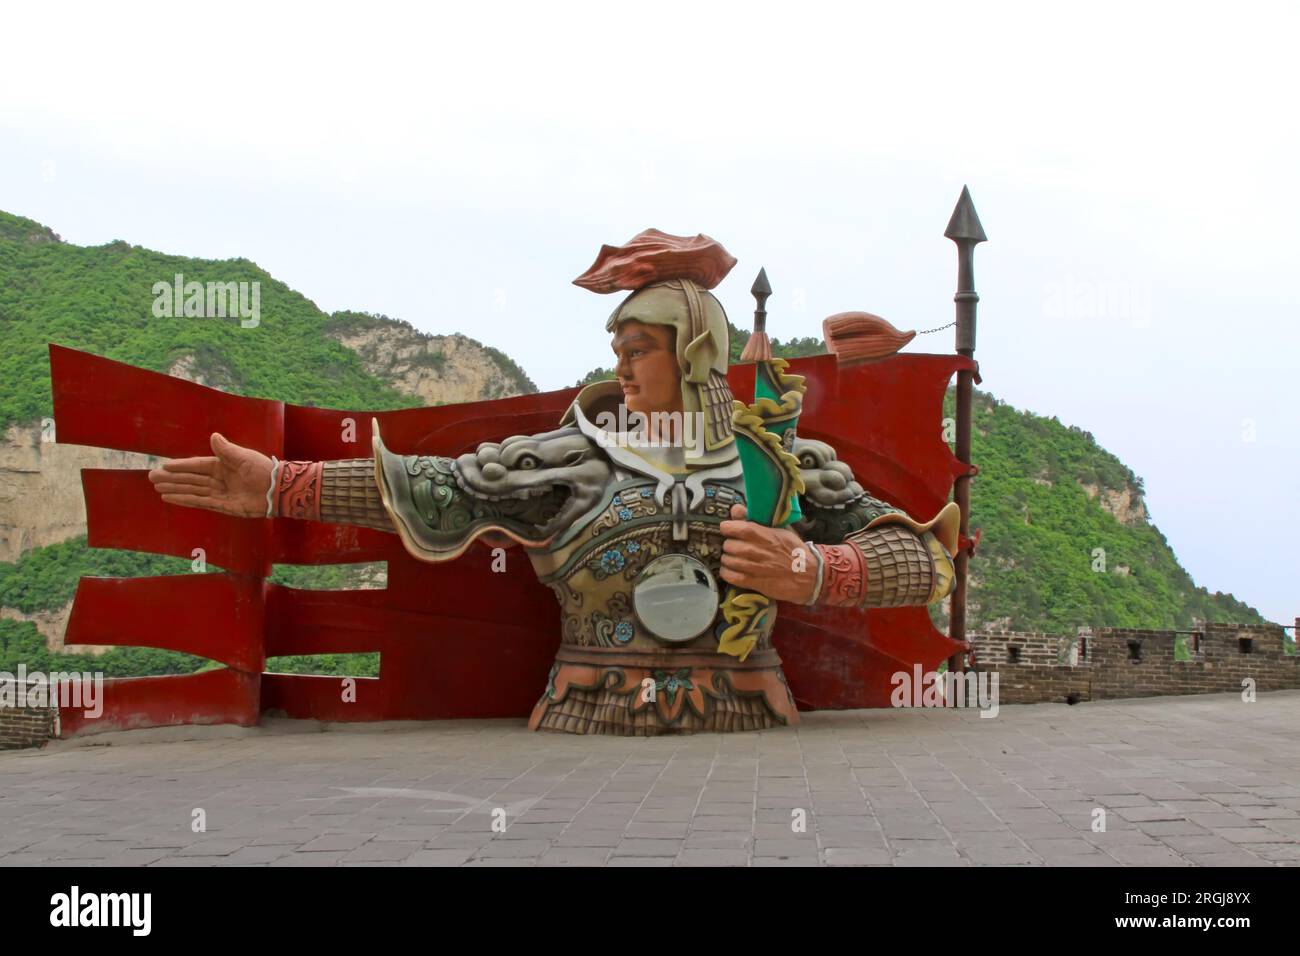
1111 662
25 726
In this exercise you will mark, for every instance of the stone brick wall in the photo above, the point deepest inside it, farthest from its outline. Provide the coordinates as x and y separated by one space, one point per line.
1031 666
1112 662
25 726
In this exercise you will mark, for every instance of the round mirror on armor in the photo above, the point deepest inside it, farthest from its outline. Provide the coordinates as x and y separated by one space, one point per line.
675 597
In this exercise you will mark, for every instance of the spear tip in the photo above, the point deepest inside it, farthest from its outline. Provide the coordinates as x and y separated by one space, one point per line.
762 288
965 221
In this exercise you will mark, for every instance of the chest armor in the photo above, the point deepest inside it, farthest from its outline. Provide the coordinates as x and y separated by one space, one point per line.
638 586
604 574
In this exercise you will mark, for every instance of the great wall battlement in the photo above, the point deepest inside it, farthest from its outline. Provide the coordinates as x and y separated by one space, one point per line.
1114 662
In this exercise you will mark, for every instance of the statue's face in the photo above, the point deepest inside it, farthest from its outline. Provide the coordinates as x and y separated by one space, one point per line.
646 367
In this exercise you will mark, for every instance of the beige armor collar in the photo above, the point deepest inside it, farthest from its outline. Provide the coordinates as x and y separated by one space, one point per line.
598 405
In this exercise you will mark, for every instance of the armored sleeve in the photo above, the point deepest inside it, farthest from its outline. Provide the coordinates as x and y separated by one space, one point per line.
870 553
526 488
337 492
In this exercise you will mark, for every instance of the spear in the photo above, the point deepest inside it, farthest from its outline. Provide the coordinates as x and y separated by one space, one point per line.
965 230
772 486
759 347
764 434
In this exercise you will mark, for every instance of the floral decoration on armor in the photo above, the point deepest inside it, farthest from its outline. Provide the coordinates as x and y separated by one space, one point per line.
627 505
626 554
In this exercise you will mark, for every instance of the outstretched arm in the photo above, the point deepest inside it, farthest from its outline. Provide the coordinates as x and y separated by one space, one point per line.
237 481
525 489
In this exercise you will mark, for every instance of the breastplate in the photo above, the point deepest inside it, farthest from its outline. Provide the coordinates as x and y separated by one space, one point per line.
606 573
639 646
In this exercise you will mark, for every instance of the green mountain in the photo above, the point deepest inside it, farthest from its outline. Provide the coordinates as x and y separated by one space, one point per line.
1065 535
100 299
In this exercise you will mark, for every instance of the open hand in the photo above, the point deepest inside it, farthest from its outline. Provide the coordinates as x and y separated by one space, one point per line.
763 559
234 482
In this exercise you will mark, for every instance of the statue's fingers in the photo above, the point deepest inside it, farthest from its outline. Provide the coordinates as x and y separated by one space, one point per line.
747 530
744 550
732 577
160 477
166 488
195 466
733 562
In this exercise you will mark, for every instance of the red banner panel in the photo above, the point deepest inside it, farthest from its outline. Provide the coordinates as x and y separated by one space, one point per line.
209 697
111 405
217 616
123 511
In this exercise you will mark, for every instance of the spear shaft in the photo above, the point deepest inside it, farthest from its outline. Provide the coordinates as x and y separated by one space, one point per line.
965 230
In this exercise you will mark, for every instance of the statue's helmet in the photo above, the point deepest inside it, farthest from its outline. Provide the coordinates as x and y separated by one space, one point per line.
670 278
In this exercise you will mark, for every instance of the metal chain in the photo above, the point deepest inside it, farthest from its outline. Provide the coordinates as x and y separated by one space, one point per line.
939 329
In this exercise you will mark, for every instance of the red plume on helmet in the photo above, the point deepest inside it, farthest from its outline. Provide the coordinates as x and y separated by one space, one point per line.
653 256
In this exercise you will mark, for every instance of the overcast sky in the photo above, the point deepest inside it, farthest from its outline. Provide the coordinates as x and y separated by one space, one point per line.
1134 168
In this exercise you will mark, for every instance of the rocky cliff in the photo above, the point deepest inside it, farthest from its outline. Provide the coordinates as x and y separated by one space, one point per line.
437 369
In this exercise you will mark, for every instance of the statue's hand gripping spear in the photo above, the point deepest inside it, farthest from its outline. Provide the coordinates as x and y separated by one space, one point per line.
765 433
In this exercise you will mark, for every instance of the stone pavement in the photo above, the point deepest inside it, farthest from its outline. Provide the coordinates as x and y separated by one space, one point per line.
1207 780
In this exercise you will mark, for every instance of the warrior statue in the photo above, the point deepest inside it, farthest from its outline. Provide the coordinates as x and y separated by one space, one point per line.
667 517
